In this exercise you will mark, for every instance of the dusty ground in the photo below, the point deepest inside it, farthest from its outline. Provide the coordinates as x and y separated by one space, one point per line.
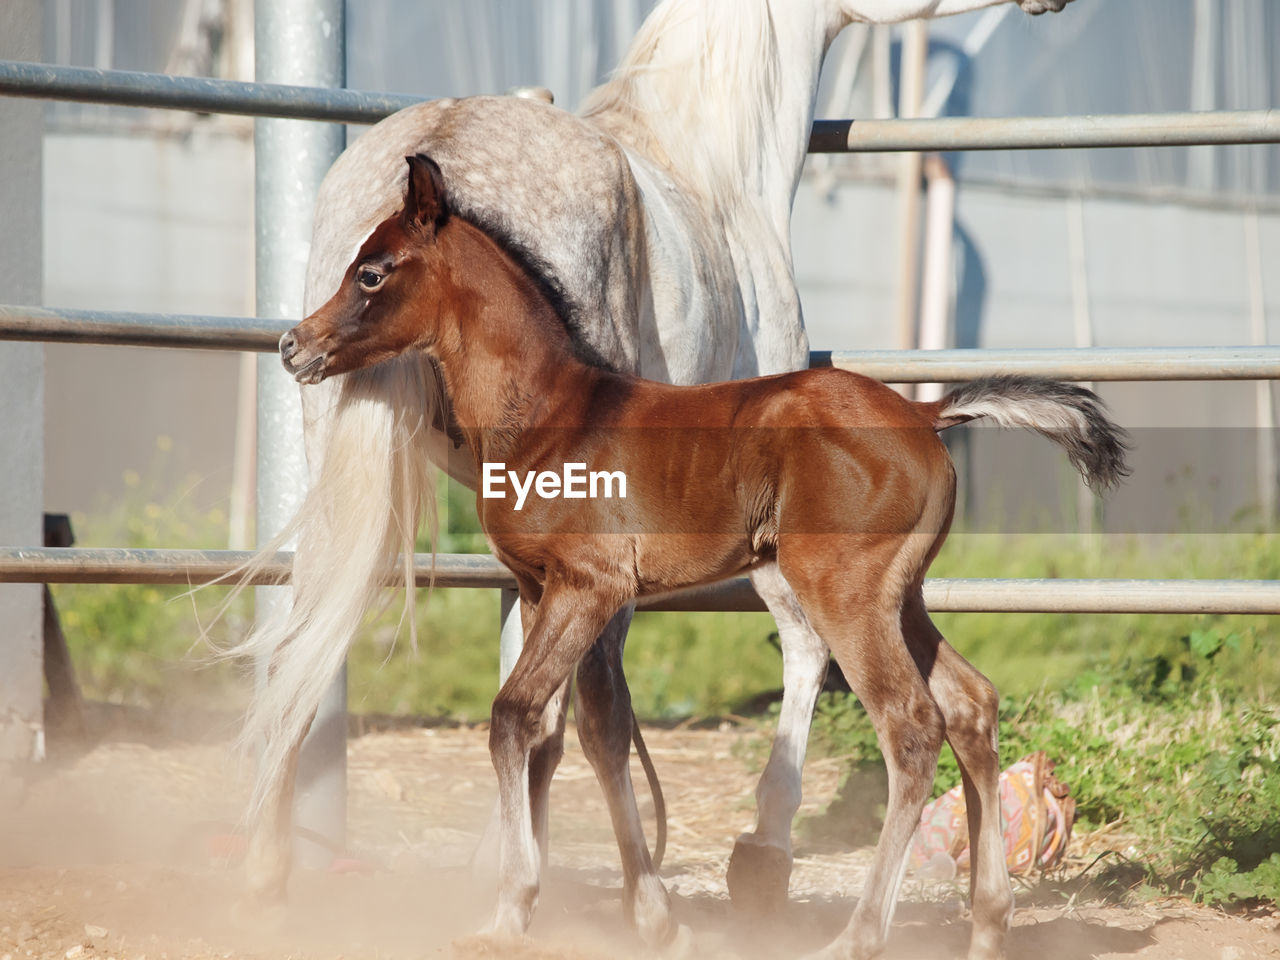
118 852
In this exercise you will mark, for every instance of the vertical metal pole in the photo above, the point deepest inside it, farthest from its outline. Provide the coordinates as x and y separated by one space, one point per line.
937 284
1266 413
299 42
1206 28
915 49
511 639
881 71
21 399
1082 325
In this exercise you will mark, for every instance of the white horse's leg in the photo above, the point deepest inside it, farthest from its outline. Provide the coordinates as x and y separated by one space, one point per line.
604 718
760 867
543 760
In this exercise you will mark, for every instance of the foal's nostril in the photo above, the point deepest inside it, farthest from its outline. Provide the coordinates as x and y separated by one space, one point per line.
288 345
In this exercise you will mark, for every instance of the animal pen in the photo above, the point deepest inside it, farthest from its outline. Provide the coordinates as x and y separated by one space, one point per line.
296 53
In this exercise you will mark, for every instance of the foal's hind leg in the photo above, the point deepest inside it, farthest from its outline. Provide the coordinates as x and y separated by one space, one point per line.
969 706
604 728
855 608
760 867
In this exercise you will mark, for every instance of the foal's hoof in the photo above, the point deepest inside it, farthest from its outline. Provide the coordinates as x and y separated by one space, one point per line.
647 908
509 921
758 875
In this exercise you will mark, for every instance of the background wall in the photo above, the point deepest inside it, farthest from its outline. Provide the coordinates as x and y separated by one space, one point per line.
150 223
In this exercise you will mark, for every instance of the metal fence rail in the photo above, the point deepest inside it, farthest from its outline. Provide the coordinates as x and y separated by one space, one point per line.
1071 363
944 134
125 88
118 328
206 95
892 366
195 567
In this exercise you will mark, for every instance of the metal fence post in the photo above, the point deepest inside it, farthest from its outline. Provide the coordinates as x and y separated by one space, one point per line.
511 636
22 400
301 42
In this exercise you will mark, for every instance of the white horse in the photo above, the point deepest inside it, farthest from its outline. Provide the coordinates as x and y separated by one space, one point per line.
661 215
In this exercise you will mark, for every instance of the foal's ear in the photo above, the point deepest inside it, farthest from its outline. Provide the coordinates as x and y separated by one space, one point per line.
425 206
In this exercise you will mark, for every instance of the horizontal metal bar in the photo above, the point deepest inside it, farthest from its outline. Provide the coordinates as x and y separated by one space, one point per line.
944 134
1103 596
193 567
200 94
207 95
892 366
139 329
1083 363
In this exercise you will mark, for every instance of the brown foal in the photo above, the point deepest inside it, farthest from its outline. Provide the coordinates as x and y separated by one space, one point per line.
830 480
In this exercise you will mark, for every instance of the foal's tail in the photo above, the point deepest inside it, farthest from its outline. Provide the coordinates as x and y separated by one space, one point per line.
1069 415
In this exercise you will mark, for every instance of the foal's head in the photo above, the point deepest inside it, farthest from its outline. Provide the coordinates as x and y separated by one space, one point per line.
393 294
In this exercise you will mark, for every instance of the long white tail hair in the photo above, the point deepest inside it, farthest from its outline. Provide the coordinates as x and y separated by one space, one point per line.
357 525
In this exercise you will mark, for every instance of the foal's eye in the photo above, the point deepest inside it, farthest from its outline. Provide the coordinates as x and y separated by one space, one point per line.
368 278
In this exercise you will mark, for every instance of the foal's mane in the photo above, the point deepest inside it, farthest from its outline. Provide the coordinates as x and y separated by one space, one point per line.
547 283
706 65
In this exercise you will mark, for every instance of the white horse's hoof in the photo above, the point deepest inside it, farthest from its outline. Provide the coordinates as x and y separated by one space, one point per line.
758 876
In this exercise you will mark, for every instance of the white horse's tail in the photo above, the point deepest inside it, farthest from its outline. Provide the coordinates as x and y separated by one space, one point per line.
362 512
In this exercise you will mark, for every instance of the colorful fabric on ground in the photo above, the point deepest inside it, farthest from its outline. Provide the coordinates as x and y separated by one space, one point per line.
1037 813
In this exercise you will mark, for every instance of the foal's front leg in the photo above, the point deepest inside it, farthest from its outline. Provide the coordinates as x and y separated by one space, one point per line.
565 624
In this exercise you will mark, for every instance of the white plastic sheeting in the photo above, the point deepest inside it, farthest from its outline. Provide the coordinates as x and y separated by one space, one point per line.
460 47
1117 56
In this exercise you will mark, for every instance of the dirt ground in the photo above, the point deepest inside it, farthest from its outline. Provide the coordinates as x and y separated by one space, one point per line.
126 852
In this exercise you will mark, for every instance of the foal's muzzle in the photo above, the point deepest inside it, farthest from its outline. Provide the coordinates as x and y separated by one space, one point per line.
303 368
288 346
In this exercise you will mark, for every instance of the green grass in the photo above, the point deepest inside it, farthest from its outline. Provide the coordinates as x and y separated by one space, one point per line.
140 644
1024 653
